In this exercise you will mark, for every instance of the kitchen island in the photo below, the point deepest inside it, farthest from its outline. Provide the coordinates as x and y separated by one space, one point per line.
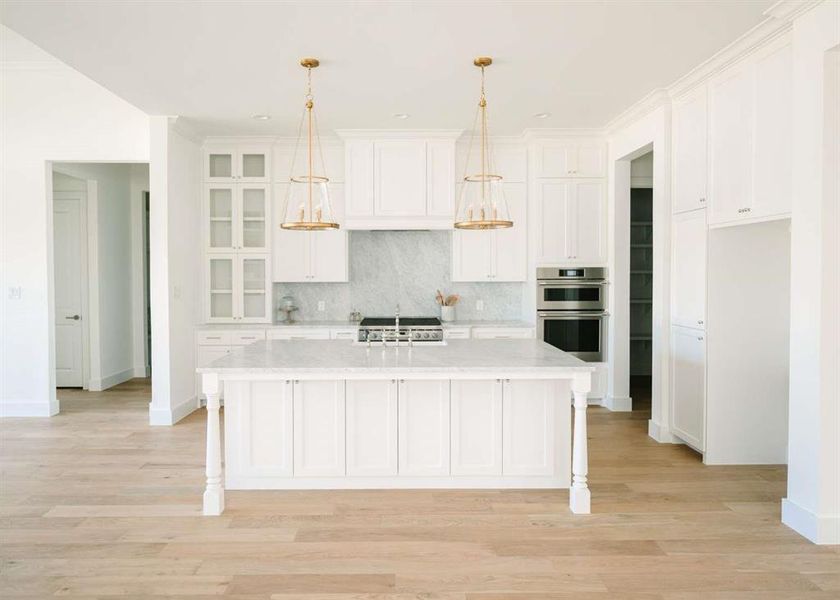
333 414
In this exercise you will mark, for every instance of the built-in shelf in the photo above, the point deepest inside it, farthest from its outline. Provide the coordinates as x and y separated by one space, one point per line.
221 219
641 223
648 246
640 338
636 272
641 301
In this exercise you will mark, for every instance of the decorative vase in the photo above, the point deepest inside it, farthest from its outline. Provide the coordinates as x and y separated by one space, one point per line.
447 313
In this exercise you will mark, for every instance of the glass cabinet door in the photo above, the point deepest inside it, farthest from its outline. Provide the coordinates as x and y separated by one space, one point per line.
253 217
220 287
255 288
253 166
220 218
219 166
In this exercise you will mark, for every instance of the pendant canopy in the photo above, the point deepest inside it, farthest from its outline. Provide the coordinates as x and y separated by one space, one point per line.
308 204
481 200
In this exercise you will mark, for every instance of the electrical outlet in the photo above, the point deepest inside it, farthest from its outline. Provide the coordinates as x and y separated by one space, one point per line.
322 306
479 305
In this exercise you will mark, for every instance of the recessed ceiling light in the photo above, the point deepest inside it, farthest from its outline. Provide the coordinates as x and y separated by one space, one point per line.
402 116
261 117
542 115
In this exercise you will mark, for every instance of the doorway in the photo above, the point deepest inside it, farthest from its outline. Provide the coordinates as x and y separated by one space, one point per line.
641 281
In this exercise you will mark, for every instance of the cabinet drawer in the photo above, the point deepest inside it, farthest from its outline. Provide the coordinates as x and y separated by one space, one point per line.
243 338
299 333
456 333
344 333
488 333
213 338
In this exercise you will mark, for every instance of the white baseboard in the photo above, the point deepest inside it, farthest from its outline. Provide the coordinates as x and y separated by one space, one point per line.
142 371
595 401
820 529
167 416
618 404
28 408
662 434
98 385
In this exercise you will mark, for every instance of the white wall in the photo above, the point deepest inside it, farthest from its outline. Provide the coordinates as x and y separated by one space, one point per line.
812 506
49 113
139 184
112 276
630 139
176 263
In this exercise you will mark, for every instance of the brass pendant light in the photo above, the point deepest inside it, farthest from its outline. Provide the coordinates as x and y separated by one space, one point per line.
308 205
481 201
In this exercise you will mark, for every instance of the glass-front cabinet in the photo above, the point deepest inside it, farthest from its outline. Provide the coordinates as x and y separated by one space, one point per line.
238 289
237 217
237 165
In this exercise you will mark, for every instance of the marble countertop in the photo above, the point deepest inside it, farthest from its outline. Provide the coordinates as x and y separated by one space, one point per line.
335 357
243 326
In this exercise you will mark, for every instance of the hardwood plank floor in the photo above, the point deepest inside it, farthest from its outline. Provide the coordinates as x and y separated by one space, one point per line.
94 503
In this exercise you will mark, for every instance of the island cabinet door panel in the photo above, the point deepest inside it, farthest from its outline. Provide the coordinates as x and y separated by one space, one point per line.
424 427
264 420
529 423
319 428
372 427
476 427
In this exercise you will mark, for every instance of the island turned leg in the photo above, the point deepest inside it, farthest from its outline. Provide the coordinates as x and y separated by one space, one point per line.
579 493
214 493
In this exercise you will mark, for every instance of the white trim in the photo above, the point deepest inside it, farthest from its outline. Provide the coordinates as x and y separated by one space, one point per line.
98 385
164 416
820 529
618 404
94 342
28 408
655 99
662 433
396 482
399 134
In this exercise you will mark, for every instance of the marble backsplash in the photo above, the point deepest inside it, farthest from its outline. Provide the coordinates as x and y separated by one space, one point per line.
400 267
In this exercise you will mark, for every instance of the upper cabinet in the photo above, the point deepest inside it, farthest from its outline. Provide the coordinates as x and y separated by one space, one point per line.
236 217
234 164
573 158
400 183
496 255
689 152
750 135
571 222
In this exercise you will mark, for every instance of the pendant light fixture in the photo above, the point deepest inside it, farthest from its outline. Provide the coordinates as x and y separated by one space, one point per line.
481 201
308 205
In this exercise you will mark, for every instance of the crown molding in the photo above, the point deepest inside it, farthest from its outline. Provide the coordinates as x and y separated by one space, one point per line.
654 100
534 134
394 134
788 10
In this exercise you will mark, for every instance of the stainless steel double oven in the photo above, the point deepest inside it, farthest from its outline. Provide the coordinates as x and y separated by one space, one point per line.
571 310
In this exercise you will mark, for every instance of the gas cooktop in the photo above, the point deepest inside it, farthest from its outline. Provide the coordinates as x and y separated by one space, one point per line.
404 322
411 329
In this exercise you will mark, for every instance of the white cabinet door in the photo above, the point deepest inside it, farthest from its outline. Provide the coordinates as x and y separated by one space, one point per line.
731 145
424 427
476 427
253 164
688 381
371 427
689 175
773 174
472 258
399 175
253 216
589 160
688 269
265 422
220 225
440 175
528 424
220 285
289 249
319 428
589 219
554 199
253 287
328 251
555 159
358 165
510 253
220 165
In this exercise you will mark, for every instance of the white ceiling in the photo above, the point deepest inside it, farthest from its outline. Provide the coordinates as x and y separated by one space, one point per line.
218 63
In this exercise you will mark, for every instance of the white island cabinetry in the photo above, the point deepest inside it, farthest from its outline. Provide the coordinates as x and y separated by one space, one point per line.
324 415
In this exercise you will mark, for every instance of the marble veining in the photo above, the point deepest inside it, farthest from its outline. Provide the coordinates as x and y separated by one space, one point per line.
401 267
334 357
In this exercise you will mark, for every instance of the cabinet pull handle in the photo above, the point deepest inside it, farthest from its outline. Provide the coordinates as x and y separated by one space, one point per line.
702 199
213 337
699 322
700 337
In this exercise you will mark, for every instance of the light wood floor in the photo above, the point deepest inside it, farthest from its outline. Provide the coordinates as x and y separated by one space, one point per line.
97 504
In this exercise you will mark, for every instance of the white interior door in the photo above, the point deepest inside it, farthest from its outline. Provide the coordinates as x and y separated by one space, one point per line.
67 248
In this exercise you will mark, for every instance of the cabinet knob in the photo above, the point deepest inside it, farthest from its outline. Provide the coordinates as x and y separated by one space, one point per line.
699 322
702 199
700 338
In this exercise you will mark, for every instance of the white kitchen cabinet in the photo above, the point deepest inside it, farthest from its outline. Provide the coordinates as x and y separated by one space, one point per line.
571 222
688 385
572 158
688 269
213 344
750 138
237 163
424 427
344 333
371 427
236 218
689 154
319 428
238 288
496 255
299 333
456 333
502 333
476 425
529 422
263 408
400 182
310 256
283 153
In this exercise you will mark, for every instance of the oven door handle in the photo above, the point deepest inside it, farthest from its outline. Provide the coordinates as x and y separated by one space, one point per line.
572 283
572 315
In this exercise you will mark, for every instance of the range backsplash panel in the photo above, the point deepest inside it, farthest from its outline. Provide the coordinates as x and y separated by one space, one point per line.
405 267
